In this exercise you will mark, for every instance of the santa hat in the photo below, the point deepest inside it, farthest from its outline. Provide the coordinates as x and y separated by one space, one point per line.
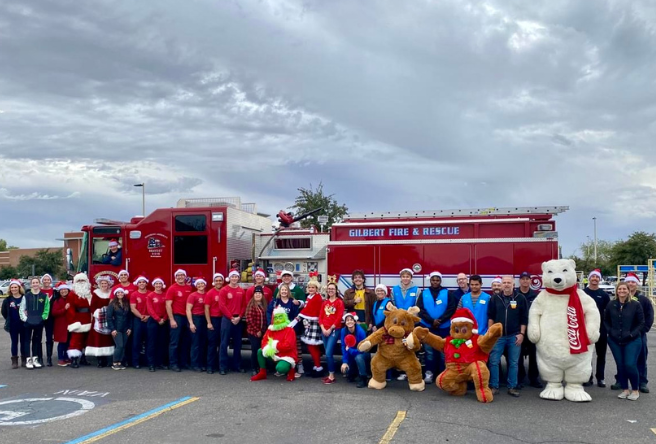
406 270
216 275
465 315
595 272
286 272
382 287
15 281
159 280
234 273
139 279
632 277
180 271
62 286
44 276
279 310
496 279
351 314
125 272
259 272
113 243
80 277
349 341
435 273
121 289
199 280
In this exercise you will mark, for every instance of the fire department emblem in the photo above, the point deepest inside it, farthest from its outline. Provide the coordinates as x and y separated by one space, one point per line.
416 268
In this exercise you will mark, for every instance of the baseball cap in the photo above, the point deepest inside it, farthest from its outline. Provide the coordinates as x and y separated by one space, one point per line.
525 274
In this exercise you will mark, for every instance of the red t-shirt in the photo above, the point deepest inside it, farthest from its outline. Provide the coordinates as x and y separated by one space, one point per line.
156 304
179 294
331 313
212 301
197 300
49 291
231 301
139 300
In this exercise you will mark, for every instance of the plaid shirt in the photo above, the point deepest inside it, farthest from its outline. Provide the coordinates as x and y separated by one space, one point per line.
255 320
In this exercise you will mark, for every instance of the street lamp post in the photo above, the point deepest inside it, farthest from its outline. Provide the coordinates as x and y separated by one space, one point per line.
143 197
594 219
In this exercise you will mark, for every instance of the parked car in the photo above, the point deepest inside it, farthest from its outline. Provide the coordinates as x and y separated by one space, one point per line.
607 287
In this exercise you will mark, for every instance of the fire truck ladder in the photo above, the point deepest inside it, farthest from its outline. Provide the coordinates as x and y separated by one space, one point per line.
493 211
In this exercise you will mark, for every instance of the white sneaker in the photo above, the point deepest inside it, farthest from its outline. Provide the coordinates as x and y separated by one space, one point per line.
28 364
300 369
428 379
633 396
402 377
35 362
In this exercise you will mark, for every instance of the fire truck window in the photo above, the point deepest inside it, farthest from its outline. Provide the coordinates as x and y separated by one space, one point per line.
100 247
194 222
190 250
302 243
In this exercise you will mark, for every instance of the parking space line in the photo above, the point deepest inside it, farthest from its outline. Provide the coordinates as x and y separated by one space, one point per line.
393 427
653 430
100 434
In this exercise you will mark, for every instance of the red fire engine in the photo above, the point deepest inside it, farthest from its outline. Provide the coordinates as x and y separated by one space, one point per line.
202 236
488 242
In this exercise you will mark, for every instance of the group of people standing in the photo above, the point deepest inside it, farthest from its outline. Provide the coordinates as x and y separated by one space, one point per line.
192 326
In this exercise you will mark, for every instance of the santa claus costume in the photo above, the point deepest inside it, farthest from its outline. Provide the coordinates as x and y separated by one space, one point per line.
100 345
79 317
309 316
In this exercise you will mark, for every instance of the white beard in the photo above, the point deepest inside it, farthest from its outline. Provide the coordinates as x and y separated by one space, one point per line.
82 289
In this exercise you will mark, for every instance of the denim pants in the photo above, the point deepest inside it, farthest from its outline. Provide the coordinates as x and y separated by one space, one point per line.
62 348
358 362
120 341
256 344
198 342
139 334
504 343
17 334
213 342
156 343
642 361
329 343
626 358
434 358
179 342
230 331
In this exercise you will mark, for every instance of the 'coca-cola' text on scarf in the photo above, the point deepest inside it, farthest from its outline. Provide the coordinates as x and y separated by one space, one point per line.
576 331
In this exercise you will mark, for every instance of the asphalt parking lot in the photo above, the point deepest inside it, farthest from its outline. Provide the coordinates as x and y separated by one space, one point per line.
62 405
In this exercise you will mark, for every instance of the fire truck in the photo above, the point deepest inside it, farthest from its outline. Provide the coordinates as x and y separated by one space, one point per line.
484 241
202 236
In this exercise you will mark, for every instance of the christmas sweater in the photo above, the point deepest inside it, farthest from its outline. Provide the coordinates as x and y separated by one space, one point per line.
462 351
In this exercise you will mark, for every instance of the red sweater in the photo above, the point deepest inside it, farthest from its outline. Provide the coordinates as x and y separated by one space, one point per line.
231 301
212 300
331 313
179 294
197 300
156 305
312 307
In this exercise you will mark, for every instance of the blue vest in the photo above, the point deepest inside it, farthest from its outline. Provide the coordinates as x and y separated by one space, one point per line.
435 307
405 302
480 311
379 308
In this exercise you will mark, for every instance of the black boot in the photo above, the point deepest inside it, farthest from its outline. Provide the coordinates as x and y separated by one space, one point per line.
83 360
49 347
75 363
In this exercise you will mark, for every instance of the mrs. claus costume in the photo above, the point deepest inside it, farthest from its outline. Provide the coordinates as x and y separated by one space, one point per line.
99 344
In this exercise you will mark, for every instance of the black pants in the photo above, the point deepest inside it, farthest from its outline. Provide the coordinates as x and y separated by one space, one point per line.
158 339
179 342
198 342
50 328
213 342
256 344
601 346
528 350
139 333
33 334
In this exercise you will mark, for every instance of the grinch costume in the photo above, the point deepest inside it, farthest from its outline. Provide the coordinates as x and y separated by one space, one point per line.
279 345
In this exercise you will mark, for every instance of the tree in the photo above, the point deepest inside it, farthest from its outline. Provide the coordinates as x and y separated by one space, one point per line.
639 247
8 272
44 261
4 247
586 261
309 199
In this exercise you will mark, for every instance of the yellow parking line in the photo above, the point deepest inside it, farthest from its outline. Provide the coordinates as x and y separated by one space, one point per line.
393 427
653 430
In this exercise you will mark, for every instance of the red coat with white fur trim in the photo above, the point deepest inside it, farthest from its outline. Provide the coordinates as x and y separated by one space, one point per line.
78 314
284 342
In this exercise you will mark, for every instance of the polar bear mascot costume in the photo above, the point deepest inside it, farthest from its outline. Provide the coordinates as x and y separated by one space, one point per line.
563 323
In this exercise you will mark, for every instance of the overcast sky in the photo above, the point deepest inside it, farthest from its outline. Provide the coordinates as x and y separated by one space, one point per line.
416 105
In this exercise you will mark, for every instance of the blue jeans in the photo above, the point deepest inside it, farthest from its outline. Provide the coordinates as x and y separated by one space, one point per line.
62 347
228 331
329 343
434 358
17 335
198 342
213 342
642 361
156 345
358 361
626 358
139 333
179 342
504 342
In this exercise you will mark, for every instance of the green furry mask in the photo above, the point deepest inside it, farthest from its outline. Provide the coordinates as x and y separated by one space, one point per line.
280 321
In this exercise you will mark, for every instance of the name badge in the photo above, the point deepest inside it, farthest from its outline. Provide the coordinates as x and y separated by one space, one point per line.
438 302
513 304
413 294
481 301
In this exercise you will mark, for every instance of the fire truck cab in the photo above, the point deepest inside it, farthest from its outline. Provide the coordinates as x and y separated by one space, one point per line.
201 236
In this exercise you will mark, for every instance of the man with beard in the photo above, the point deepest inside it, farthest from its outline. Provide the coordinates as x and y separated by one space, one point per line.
79 318
100 343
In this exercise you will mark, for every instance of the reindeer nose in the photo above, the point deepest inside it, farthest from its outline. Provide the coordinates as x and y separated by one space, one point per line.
558 280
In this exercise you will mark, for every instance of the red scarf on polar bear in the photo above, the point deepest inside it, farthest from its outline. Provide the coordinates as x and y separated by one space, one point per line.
576 331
